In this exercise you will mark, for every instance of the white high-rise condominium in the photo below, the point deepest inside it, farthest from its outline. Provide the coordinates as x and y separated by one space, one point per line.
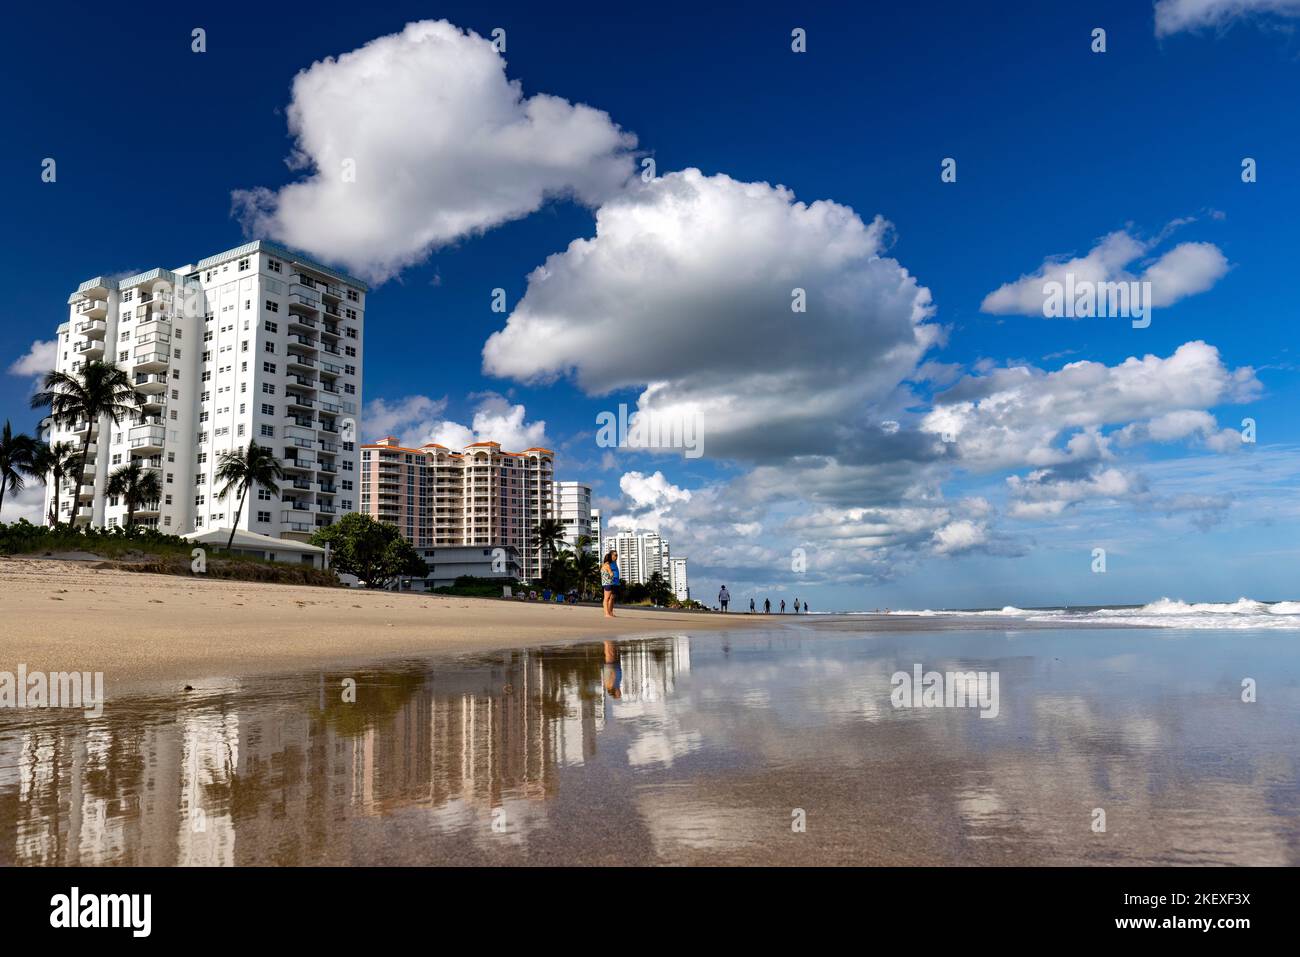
572 504
597 545
640 555
677 580
257 343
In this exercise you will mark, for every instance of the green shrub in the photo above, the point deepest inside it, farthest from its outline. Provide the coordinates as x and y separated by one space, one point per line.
150 550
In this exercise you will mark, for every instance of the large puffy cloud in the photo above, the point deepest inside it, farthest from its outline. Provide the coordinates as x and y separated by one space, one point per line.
1016 416
1175 16
686 293
419 419
443 146
647 500
1185 270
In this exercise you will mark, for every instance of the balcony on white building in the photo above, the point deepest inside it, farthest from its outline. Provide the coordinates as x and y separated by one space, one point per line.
91 328
146 439
92 309
150 360
303 301
150 382
152 326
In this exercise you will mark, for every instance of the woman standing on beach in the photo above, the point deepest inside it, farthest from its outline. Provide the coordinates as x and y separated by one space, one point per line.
609 580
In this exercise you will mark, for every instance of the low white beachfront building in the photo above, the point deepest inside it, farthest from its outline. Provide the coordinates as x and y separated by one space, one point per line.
261 546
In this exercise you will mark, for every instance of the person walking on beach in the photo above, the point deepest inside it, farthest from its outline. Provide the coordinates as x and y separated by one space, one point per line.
609 581
805 608
783 606
751 606
767 606
724 597
796 606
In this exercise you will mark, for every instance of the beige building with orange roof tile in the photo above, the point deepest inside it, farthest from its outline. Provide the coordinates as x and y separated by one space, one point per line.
481 495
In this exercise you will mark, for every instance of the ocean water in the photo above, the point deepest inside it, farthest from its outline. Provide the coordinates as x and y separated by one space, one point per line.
1242 614
756 747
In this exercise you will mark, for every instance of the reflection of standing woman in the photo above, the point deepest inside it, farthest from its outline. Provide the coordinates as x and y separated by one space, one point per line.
609 581
611 675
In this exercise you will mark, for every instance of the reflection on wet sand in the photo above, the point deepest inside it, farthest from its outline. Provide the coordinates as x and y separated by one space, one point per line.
626 753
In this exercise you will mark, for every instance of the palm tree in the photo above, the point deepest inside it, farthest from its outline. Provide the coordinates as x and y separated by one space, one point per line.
99 389
54 463
561 571
659 590
548 536
137 485
242 469
586 568
16 455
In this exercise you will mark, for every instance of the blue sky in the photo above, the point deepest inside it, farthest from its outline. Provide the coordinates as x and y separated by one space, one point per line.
1057 148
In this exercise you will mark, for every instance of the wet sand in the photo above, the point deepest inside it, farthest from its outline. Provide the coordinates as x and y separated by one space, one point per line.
687 750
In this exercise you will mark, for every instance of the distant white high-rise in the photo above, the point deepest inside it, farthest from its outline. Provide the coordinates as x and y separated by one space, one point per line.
640 555
572 504
678 581
257 342
598 546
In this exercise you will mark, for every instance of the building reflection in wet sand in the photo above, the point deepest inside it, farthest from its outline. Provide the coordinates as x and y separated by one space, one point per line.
618 754
154 782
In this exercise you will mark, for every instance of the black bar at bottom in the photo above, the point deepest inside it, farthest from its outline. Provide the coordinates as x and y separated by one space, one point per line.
370 905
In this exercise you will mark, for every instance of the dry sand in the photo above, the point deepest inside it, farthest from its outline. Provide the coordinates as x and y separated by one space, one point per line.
140 628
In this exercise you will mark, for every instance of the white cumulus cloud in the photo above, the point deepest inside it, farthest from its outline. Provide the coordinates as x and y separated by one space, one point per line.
1185 270
417 419
37 360
1018 416
1175 16
686 292
418 139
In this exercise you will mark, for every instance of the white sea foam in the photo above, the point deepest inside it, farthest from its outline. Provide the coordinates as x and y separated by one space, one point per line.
1242 614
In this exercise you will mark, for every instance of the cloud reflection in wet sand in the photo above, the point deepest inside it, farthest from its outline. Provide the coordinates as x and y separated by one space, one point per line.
525 757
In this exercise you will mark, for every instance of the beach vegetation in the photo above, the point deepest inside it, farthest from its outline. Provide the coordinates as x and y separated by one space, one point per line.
373 551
